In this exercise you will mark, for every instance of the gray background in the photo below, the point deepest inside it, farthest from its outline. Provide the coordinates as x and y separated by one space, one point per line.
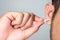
35 6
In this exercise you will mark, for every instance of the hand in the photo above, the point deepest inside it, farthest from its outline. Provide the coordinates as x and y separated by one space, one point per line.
18 25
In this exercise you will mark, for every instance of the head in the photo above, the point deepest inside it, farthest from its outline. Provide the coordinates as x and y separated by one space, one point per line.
52 11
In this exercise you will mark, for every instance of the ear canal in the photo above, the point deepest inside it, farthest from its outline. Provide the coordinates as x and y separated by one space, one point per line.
48 21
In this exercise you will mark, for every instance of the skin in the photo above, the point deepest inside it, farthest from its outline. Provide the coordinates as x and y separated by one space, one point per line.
18 25
55 28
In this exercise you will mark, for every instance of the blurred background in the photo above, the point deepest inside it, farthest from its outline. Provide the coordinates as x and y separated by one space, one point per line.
35 6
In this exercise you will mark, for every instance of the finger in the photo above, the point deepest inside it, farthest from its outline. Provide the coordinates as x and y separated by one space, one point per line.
26 18
37 19
9 15
18 19
29 23
33 29
14 17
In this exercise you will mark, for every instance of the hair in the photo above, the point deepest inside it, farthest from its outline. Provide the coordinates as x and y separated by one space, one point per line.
56 4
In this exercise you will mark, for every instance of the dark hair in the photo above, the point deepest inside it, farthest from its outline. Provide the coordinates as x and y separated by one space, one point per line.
56 4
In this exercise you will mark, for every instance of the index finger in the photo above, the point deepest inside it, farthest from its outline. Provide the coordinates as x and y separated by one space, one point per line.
38 19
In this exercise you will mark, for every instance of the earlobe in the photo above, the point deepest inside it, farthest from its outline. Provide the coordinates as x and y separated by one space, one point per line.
49 10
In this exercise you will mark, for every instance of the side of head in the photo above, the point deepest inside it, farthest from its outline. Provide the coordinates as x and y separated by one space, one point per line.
52 12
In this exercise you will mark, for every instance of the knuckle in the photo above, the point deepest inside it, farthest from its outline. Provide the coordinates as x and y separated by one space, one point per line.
31 14
21 14
27 14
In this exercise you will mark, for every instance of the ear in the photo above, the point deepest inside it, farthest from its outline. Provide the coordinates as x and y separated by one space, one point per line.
49 10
